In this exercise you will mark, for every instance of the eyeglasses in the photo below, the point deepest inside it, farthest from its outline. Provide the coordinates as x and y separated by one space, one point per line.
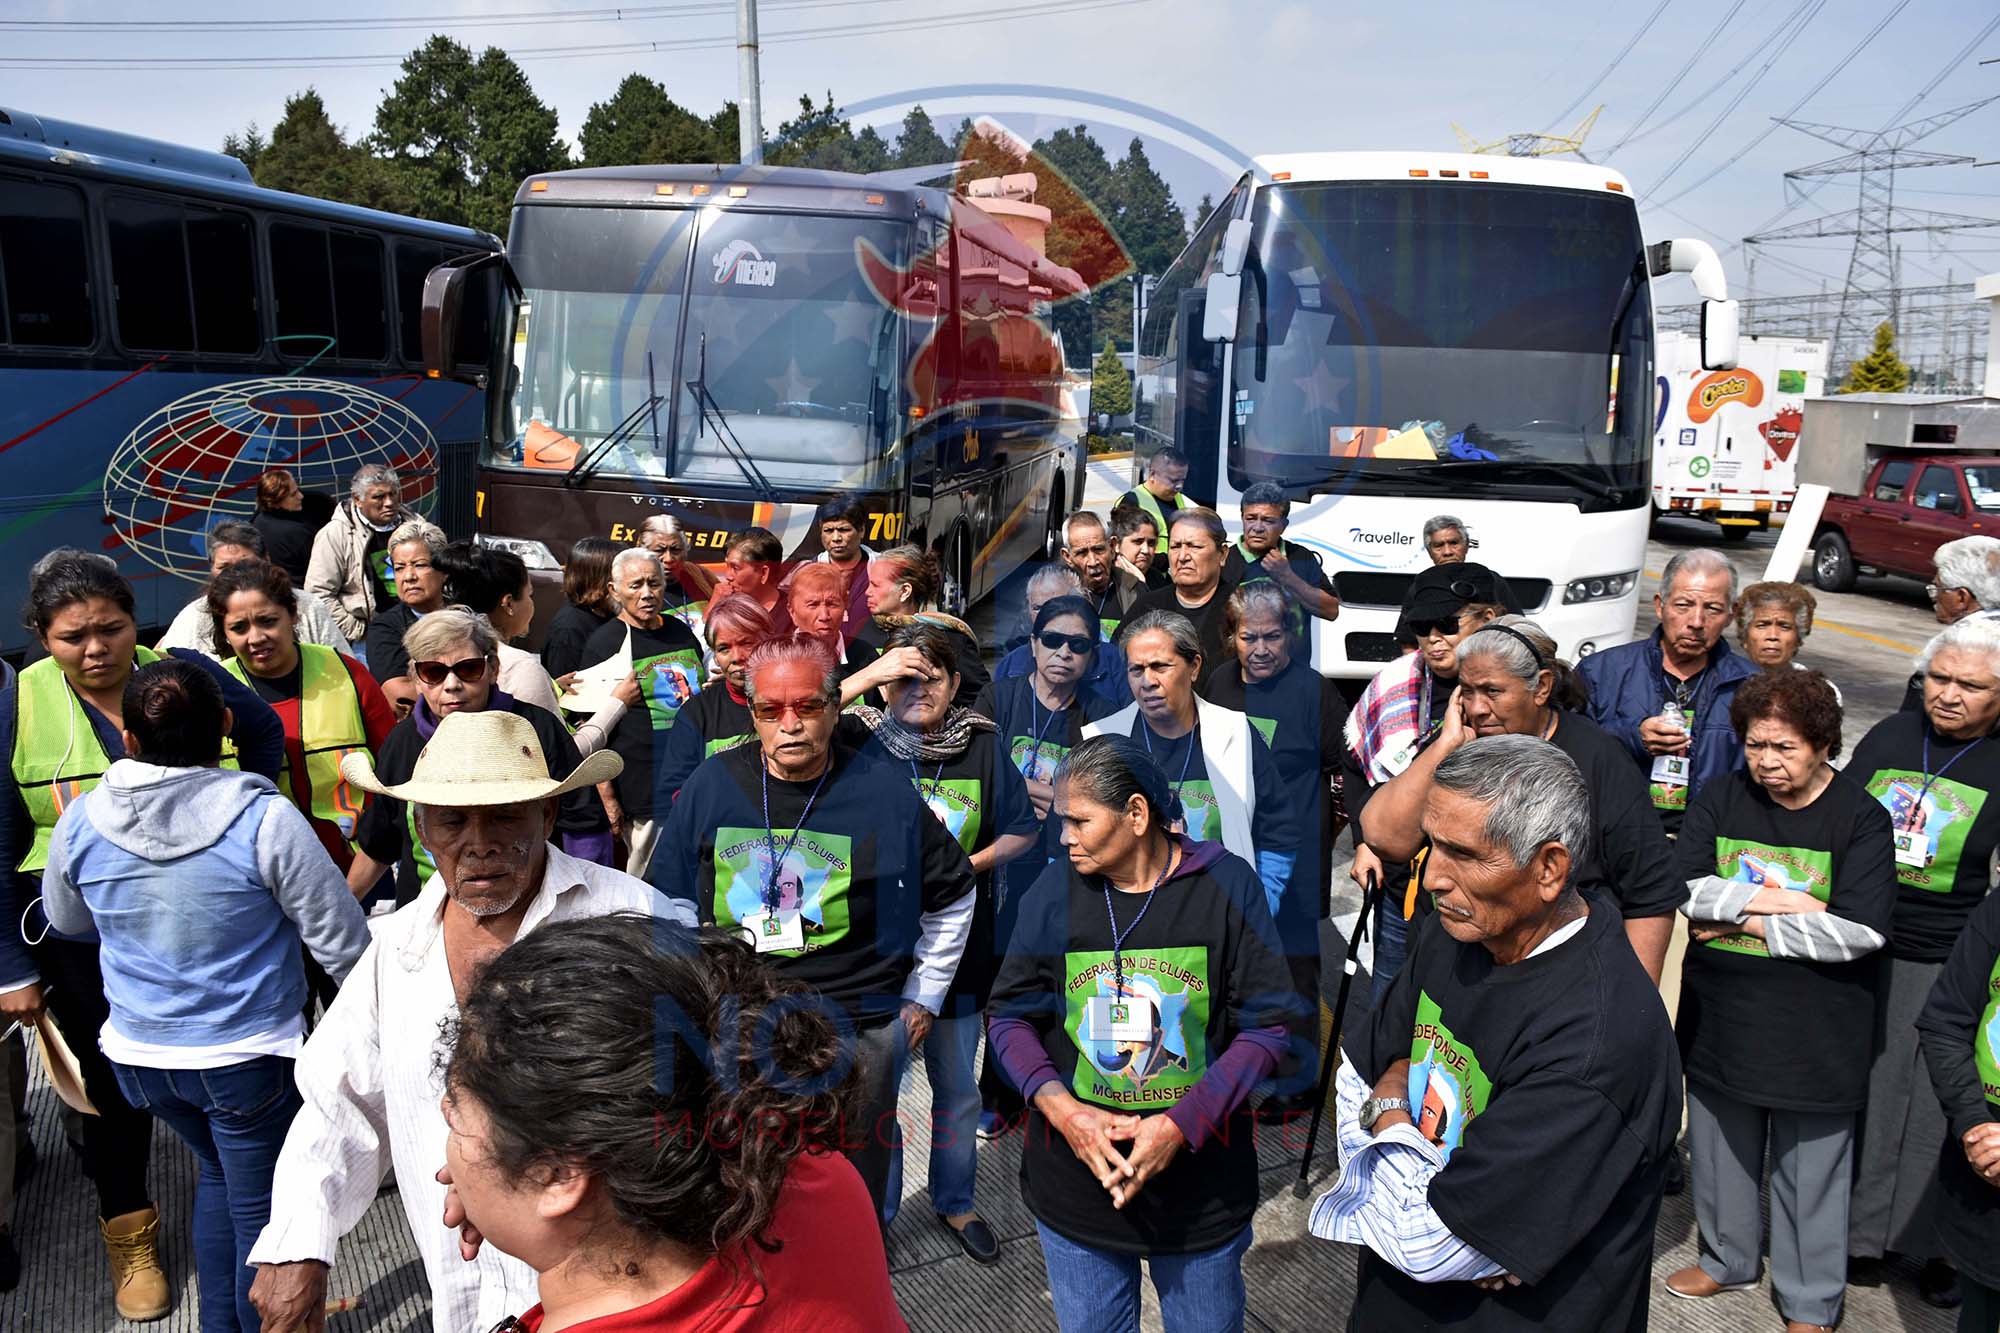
804 709
1936 590
471 670
1076 643
1420 628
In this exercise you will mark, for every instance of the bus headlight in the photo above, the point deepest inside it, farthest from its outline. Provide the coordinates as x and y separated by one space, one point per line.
533 554
1600 587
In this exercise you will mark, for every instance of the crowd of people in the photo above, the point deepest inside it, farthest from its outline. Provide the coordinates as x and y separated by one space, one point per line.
612 934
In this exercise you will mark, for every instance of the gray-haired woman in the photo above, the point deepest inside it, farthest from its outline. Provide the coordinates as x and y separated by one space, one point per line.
414 550
1510 682
1139 1003
454 667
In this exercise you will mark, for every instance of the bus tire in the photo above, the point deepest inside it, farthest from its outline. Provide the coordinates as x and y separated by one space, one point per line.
1832 563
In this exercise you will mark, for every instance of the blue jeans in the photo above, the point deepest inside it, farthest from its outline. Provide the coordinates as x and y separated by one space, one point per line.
1096 1291
1392 945
234 1118
951 1050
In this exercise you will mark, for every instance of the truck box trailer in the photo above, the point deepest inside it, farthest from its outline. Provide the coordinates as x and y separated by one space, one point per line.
1727 443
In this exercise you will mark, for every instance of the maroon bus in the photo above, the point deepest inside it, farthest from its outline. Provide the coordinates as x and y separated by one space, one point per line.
738 345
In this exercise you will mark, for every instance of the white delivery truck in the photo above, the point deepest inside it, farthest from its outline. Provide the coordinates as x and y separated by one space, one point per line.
1726 442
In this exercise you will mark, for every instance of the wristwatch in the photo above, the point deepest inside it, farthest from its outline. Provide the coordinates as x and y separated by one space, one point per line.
1376 1107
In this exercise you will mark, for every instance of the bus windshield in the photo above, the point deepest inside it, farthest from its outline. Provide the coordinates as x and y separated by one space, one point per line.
718 346
1395 337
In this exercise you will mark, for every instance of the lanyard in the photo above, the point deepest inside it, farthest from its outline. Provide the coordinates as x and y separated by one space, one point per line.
937 780
1424 705
1685 690
1034 716
1118 937
1194 737
1929 777
771 836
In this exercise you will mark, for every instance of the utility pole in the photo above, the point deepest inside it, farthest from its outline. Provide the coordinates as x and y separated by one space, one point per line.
749 110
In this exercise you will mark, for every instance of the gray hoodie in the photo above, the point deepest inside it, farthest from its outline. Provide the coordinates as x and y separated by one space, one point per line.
201 883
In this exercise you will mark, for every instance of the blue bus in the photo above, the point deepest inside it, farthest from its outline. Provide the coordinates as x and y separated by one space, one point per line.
169 331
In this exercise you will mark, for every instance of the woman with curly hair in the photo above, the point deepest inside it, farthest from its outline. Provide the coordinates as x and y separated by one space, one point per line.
649 1184
1791 875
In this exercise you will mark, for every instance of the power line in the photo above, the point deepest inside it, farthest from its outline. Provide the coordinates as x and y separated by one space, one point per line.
1701 99
1729 109
392 59
1790 111
507 19
1687 67
1605 73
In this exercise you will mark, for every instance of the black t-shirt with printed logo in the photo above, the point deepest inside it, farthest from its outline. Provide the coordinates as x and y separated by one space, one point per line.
1950 823
979 797
1035 740
668 663
1631 860
1201 956
870 861
1553 1089
1207 618
1960 1033
1780 1032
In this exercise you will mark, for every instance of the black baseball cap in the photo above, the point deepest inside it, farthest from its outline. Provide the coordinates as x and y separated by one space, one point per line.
1443 590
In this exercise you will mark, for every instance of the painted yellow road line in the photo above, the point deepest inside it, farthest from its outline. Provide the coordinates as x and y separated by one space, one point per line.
1838 628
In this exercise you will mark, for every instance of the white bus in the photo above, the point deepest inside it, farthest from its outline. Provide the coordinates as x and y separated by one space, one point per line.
1391 336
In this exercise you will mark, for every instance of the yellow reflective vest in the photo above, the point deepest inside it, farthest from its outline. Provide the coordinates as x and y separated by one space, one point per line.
57 757
331 727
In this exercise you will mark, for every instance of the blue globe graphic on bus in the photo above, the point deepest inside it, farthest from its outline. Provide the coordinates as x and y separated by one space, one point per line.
196 461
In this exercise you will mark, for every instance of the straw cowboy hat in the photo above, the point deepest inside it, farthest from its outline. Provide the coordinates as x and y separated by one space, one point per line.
489 758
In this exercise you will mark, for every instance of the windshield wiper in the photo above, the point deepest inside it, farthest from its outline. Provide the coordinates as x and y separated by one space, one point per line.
585 466
1555 474
712 415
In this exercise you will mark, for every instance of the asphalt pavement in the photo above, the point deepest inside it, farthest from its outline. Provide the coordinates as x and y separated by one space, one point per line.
1863 640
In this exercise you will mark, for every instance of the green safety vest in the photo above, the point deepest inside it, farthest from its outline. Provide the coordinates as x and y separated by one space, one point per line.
331 727
1150 504
54 763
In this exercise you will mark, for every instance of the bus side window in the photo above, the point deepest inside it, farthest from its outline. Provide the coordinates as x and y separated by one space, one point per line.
44 269
414 261
222 267
361 317
149 275
302 283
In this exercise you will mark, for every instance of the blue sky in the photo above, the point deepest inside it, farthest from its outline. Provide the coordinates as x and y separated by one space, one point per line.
1252 75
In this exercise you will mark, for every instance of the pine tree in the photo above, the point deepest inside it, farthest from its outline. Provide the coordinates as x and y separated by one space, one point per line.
513 138
919 144
637 121
307 154
1881 371
1110 384
1201 212
424 126
1149 222
247 148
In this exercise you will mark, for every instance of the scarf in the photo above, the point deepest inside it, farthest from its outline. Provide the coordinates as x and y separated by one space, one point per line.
1383 730
946 741
935 619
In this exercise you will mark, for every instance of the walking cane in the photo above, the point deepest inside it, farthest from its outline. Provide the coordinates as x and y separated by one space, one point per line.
1370 896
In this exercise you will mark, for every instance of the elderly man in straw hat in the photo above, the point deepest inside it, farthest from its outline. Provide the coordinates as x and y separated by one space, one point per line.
485 809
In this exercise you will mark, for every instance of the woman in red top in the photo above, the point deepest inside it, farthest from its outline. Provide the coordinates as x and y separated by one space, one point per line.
328 702
651 1190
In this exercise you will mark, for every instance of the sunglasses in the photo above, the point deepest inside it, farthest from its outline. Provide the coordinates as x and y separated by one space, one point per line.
1448 625
1076 643
805 709
471 670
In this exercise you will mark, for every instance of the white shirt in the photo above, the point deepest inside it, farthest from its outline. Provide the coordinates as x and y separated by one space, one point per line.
194 627
371 1099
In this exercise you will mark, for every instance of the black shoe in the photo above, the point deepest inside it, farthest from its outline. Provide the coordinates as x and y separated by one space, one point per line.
1677 1179
25 1158
1938 1285
1865 1270
10 1262
976 1239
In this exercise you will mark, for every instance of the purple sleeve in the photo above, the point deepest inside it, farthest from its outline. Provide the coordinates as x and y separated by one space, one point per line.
1022 1056
1205 1107
594 847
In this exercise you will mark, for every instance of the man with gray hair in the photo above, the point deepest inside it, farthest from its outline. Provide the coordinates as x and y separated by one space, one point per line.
1522 1009
1447 541
1106 677
349 568
1666 697
1967 587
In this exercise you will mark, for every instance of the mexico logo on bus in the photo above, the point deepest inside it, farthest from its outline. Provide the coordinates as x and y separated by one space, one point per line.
1713 392
743 264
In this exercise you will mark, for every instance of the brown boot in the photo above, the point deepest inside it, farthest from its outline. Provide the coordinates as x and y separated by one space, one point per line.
138 1282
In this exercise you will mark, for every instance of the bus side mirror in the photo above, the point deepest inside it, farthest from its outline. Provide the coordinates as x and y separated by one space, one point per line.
1235 245
1218 315
444 298
1720 323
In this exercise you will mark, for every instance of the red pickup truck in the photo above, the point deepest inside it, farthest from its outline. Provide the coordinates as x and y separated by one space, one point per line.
1910 505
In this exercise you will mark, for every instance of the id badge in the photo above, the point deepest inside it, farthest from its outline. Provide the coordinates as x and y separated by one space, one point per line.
1670 770
772 931
1121 1017
1401 759
1912 848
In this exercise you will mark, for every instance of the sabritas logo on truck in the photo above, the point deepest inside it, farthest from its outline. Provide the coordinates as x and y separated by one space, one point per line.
1713 392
